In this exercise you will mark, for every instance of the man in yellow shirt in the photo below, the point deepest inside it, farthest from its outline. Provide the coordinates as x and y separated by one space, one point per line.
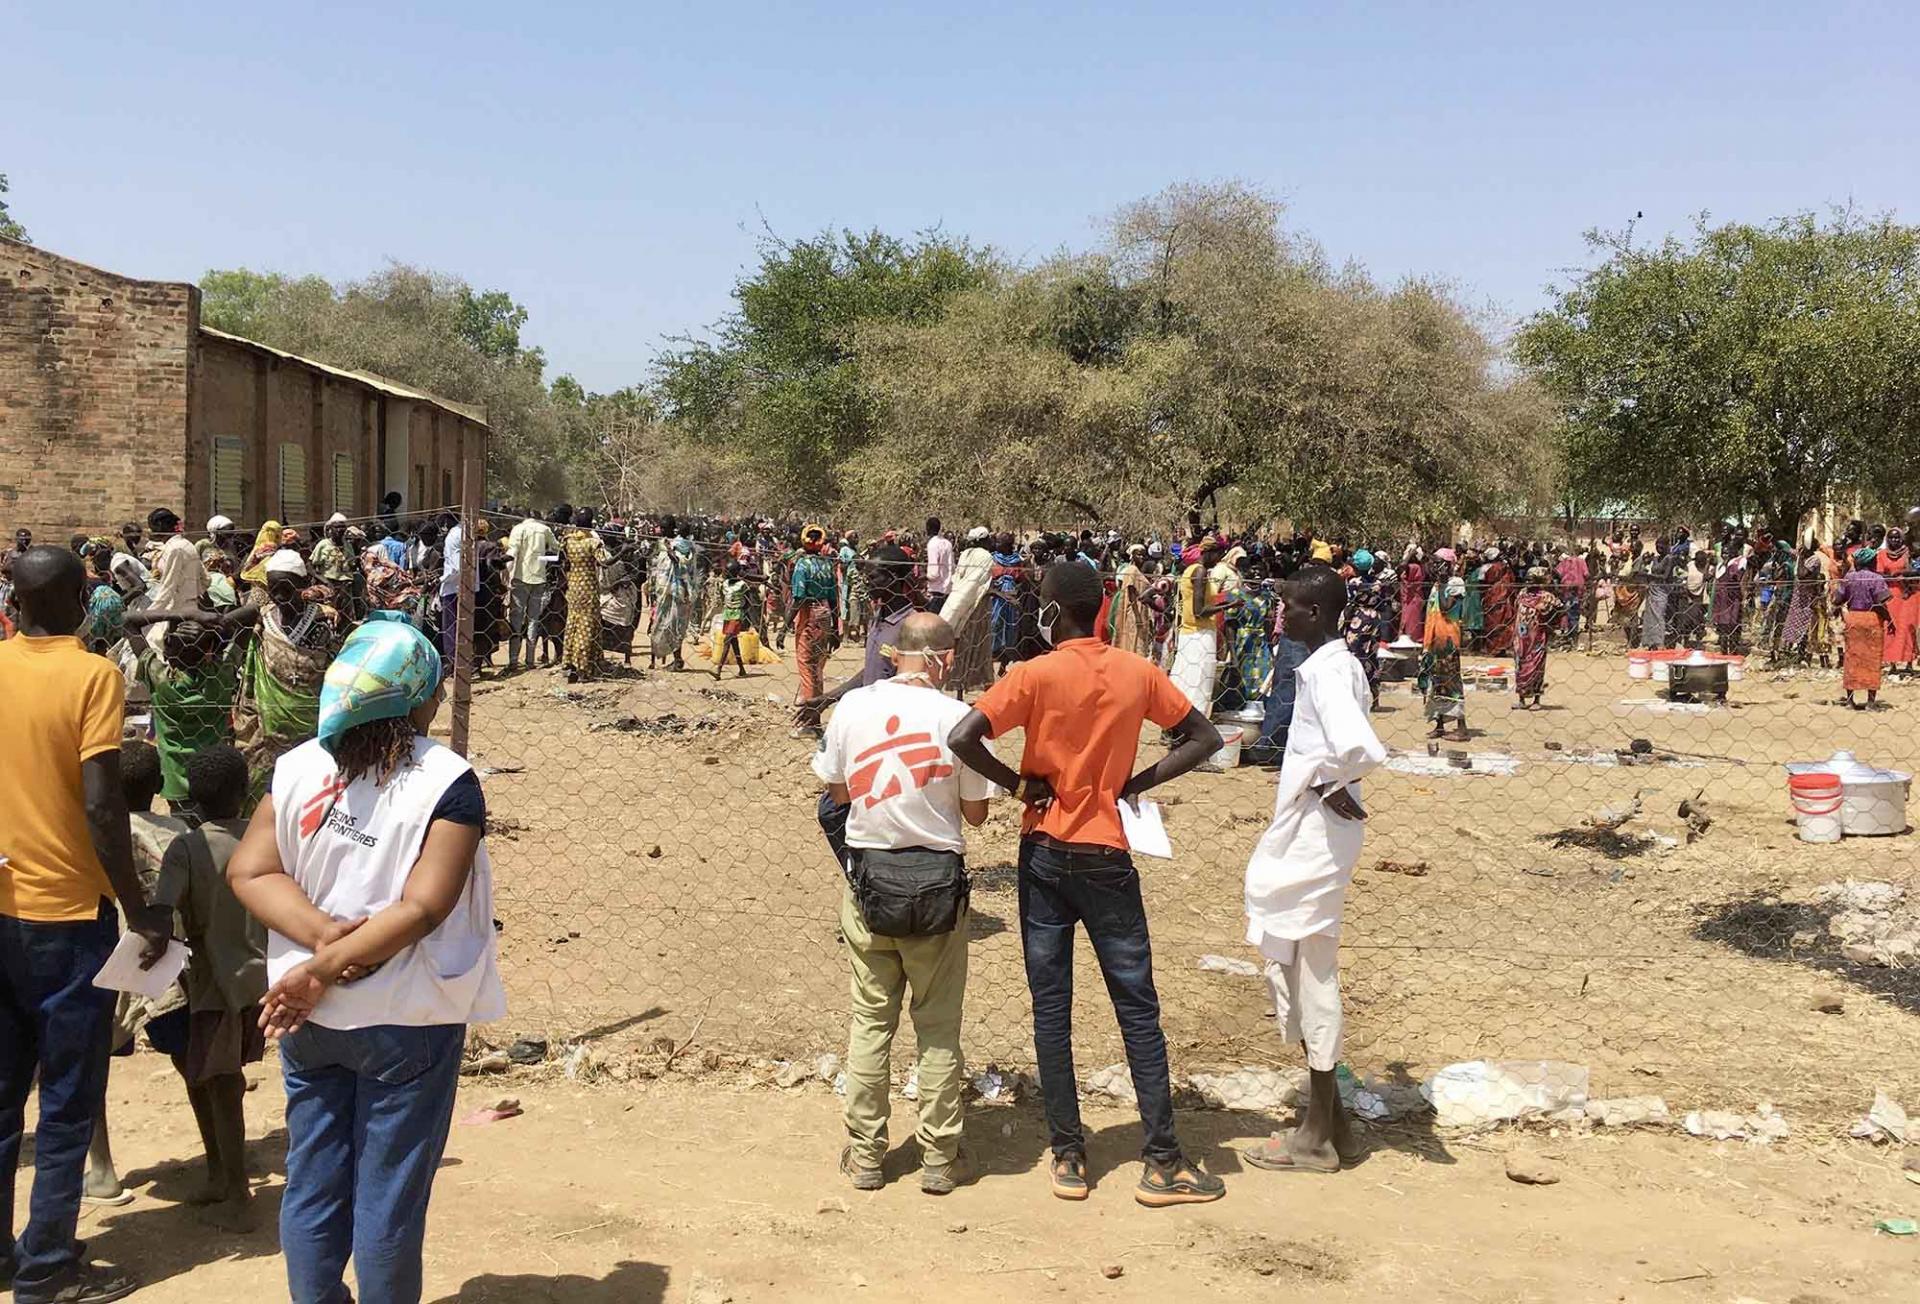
1197 649
65 848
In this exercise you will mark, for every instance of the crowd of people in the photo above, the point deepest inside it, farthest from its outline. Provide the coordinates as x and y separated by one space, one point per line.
326 861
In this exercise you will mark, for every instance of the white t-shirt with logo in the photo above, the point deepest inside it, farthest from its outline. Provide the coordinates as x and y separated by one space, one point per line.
888 744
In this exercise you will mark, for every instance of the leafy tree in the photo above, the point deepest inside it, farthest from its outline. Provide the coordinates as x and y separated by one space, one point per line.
780 383
424 329
1746 367
9 227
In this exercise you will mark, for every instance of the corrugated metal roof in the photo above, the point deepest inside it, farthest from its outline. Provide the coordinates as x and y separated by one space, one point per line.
367 378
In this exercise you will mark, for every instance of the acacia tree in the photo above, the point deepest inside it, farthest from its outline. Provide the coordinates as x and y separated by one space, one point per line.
1747 367
1202 351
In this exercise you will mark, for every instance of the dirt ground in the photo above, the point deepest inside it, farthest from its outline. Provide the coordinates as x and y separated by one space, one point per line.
665 894
697 1194
661 874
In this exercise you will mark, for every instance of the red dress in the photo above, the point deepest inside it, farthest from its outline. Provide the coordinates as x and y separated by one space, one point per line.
1903 606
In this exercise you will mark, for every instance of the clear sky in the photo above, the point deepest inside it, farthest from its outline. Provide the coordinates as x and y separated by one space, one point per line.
611 164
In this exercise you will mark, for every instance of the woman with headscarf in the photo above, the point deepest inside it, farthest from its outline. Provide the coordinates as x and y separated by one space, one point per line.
1862 596
367 864
1499 594
279 692
672 583
1366 618
581 553
265 544
1535 612
1413 592
970 612
1895 564
815 593
1440 677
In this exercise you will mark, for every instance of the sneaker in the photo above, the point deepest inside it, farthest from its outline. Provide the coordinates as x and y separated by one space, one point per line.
1179 1182
1069 1175
94 1283
940 1179
864 1179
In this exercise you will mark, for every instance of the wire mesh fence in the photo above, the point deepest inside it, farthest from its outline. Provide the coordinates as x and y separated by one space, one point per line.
1605 896
1610 887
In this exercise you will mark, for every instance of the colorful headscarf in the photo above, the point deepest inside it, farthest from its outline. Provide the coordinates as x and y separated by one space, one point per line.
265 544
386 668
1363 561
1863 558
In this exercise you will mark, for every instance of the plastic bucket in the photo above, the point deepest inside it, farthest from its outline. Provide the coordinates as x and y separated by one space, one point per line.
1639 666
1228 757
1817 799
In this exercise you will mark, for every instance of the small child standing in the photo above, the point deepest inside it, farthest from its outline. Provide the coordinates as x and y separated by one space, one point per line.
225 979
142 776
1298 875
733 617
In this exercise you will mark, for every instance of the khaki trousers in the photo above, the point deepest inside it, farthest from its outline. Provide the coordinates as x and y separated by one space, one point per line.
884 968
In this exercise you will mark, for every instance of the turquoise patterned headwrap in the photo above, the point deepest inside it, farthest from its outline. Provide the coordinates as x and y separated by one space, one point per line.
386 668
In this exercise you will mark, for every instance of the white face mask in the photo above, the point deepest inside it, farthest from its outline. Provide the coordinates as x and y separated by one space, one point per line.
1046 622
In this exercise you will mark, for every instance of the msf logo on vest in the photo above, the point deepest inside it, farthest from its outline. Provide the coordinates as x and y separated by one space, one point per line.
322 809
904 761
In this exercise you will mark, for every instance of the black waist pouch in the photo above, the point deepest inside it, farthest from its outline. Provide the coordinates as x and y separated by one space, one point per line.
912 892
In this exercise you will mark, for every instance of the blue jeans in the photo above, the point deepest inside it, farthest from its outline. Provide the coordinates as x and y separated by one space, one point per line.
367 1118
1059 889
53 1020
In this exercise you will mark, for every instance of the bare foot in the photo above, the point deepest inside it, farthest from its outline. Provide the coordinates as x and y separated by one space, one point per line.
230 1214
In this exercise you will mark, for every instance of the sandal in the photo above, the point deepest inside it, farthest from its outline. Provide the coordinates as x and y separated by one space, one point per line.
1276 1155
1180 1182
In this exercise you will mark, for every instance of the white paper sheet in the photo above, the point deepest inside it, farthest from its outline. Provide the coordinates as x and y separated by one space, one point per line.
1146 831
122 971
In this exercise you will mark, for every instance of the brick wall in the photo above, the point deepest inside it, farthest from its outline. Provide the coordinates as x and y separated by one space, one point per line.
95 379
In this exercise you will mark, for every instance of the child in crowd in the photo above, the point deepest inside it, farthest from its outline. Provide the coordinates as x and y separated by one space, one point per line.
141 779
226 980
733 616
1297 878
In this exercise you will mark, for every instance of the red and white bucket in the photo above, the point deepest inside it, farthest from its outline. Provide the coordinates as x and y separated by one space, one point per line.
1817 799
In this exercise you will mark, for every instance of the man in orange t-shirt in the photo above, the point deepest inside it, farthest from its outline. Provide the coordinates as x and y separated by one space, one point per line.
65 848
1083 706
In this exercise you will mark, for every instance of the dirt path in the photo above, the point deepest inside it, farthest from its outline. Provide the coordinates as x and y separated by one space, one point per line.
694 1193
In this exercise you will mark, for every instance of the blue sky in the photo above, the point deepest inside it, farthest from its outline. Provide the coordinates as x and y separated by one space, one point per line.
611 164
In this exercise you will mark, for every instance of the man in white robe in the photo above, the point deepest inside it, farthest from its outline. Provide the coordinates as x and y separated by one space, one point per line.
1297 878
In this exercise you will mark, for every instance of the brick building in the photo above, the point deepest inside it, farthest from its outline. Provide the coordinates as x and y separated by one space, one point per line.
114 400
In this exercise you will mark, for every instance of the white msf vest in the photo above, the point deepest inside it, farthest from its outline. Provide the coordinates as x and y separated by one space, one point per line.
350 849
